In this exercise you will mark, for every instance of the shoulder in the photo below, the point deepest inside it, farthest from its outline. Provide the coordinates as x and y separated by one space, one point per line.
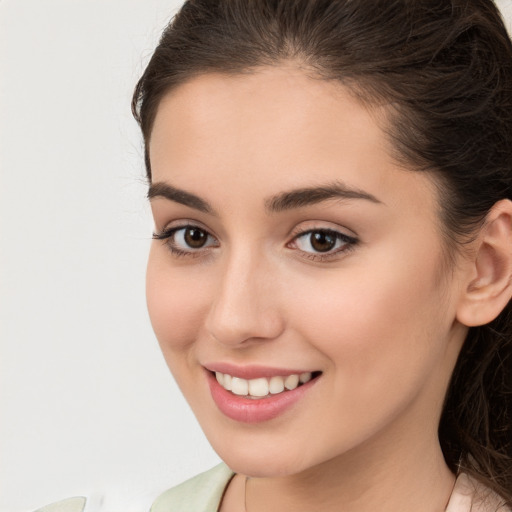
470 496
201 493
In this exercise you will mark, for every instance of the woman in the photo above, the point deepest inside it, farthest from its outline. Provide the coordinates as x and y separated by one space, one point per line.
330 276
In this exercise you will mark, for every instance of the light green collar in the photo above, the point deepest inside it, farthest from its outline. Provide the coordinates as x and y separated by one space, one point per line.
203 493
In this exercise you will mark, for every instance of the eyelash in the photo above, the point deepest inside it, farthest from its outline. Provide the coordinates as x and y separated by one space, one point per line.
348 242
168 236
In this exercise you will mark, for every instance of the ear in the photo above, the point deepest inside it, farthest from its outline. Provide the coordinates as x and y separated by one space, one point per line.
489 285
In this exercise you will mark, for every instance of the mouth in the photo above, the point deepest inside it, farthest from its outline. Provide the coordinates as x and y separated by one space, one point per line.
262 396
263 387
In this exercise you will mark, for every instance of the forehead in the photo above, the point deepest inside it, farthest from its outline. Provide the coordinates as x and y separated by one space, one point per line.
282 96
276 128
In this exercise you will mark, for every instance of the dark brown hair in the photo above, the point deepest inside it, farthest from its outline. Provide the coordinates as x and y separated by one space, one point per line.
444 68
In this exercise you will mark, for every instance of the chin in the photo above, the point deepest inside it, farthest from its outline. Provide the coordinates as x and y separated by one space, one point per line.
262 464
261 456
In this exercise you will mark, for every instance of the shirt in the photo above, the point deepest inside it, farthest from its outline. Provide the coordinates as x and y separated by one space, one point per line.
204 492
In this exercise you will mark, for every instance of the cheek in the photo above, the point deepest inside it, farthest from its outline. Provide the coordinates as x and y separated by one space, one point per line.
176 302
381 323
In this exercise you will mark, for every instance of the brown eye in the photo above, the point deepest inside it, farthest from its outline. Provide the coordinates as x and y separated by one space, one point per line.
322 241
327 242
195 238
187 240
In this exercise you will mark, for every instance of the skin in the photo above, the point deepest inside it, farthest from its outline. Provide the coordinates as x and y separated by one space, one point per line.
378 318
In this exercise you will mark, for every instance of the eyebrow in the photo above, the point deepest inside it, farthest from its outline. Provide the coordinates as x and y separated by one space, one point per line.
293 199
302 197
179 196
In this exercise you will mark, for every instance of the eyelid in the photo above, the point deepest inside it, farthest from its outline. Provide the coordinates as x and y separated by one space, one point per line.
350 241
184 223
169 231
318 225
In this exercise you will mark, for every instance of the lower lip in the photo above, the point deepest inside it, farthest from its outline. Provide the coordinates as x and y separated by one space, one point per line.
247 410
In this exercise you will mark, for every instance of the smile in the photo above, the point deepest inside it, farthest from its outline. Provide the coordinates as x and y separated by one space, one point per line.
261 387
258 398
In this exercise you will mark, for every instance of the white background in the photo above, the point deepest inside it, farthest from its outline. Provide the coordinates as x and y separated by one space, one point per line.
87 404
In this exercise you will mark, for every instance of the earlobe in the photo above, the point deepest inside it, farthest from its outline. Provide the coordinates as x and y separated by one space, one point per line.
489 286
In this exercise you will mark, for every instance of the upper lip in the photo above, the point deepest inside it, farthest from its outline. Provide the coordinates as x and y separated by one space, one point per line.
252 371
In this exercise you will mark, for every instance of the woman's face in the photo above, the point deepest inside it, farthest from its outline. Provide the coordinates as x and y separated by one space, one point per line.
291 243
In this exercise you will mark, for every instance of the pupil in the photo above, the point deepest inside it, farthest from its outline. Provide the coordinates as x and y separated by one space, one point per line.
195 238
322 242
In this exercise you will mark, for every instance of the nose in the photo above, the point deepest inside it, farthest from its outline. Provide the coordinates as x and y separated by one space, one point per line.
245 308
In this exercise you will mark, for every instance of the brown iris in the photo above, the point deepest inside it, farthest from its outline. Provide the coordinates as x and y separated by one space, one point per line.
322 241
195 238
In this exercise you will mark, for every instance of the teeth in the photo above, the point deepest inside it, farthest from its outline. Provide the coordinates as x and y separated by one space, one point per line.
258 387
227 381
239 386
276 385
261 387
291 382
305 377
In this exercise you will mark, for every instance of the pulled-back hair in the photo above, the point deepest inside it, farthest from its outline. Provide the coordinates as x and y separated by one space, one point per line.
443 68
